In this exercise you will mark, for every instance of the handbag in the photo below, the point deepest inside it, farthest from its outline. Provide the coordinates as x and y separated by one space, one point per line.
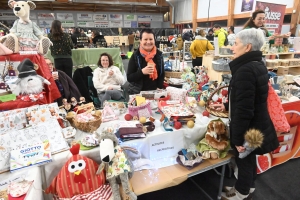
276 111
135 88
143 110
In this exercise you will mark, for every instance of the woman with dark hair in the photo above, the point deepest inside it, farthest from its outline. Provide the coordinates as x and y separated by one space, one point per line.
231 35
146 65
95 37
108 79
61 50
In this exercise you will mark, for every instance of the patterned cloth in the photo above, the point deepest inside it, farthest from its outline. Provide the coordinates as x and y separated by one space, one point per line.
118 165
27 33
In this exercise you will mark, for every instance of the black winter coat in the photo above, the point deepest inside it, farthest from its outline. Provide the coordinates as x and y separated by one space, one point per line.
248 92
134 72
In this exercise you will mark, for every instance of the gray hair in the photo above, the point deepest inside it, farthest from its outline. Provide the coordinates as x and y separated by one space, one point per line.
252 36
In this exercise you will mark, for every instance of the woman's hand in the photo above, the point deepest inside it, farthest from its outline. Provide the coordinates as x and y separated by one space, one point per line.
240 149
111 72
148 69
220 107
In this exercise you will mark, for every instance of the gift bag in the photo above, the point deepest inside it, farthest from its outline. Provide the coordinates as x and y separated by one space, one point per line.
143 110
176 93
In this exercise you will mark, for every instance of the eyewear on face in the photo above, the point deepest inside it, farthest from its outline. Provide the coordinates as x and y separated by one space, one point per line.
49 64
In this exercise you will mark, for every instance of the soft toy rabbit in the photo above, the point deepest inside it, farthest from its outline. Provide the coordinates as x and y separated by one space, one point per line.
25 35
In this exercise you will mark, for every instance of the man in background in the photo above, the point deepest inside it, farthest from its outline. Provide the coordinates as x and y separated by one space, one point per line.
131 40
221 34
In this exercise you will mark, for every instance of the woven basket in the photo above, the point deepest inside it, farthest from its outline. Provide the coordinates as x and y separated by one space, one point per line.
89 126
217 113
173 74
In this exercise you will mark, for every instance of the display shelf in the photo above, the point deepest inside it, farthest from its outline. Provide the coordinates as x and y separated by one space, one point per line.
186 51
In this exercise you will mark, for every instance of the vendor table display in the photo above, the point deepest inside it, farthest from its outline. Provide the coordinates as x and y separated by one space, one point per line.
85 56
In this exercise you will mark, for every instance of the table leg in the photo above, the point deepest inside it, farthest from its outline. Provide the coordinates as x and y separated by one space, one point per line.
221 181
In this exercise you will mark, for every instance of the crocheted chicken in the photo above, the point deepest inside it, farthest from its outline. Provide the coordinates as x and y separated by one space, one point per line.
78 176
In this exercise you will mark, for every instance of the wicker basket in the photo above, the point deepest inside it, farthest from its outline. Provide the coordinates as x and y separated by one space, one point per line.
217 113
89 126
173 74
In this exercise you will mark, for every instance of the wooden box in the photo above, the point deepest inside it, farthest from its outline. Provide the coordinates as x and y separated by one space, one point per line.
282 70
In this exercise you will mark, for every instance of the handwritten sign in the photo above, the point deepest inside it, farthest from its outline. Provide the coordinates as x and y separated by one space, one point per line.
165 145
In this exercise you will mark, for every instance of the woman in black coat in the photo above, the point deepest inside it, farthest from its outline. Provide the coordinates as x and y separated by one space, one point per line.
248 92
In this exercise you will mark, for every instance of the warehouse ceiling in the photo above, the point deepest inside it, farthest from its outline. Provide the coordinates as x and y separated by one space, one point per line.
128 6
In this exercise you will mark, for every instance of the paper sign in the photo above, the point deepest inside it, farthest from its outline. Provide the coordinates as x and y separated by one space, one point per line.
85 16
100 24
64 16
46 16
101 17
130 17
165 145
85 24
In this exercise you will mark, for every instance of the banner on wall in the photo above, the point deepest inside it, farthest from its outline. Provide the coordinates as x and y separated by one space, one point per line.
247 5
32 16
274 15
134 24
289 143
85 16
116 24
67 23
85 24
46 16
8 16
64 16
127 24
115 17
100 24
144 24
130 17
101 17
144 17
45 23
158 18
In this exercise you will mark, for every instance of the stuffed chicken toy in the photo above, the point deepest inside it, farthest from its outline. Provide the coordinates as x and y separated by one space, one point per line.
29 84
78 177
25 35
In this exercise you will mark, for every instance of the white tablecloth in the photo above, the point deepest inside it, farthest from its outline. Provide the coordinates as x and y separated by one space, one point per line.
33 173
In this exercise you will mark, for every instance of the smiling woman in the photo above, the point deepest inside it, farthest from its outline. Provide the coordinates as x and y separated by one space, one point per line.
146 66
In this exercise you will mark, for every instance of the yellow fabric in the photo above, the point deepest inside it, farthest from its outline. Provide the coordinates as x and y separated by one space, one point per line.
199 47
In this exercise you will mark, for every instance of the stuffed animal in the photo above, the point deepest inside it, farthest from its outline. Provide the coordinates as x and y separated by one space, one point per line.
78 177
25 35
253 139
215 144
118 168
29 84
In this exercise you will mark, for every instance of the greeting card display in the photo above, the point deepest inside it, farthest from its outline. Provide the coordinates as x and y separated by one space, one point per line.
25 157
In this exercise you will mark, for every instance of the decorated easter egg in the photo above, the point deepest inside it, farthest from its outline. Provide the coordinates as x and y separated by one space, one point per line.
128 117
143 120
177 125
205 113
201 103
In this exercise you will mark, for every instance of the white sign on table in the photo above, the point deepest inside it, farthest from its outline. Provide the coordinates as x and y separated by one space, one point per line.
166 146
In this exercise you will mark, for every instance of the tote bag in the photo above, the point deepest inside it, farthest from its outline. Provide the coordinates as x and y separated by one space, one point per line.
276 111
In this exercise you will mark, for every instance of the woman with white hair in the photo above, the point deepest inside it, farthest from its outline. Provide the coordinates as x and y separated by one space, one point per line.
248 92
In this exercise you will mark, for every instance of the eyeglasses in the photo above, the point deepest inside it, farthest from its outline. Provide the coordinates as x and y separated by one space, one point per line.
49 64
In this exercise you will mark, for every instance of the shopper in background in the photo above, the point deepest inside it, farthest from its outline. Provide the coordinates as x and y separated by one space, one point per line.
210 35
248 93
231 35
221 34
108 79
64 83
131 40
95 37
61 50
198 47
82 33
75 35
146 65
136 42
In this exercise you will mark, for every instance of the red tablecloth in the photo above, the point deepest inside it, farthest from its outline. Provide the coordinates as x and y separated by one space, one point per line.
52 91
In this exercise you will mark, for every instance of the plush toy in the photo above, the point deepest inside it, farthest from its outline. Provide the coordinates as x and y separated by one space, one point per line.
78 177
29 84
118 168
215 144
25 35
253 139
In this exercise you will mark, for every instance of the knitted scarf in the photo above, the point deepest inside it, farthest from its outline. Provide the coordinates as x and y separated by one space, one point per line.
148 57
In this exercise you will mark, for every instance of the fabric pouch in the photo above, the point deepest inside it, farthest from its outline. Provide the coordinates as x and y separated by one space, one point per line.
189 164
144 109
116 106
18 190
